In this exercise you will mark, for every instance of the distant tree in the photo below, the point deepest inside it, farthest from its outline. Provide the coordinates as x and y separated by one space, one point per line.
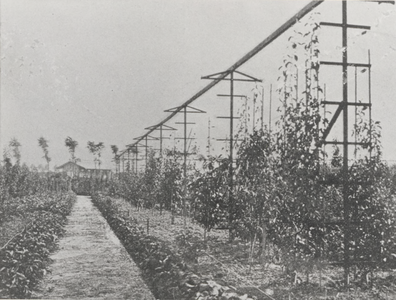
40 168
96 150
392 171
43 144
92 148
72 145
14 146
114 149
99 147
7 159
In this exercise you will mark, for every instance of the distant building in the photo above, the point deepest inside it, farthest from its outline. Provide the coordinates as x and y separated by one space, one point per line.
74 170
71 169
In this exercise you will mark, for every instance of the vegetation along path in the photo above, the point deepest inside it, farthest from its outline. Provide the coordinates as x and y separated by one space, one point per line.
91 262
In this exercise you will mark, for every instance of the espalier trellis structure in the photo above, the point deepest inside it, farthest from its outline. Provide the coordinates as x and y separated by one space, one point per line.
232 74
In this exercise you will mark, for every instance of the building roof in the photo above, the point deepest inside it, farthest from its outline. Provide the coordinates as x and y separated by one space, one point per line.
68 163
81 167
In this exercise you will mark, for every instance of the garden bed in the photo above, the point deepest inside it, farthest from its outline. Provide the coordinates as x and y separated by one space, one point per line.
229 264
24 258
166 273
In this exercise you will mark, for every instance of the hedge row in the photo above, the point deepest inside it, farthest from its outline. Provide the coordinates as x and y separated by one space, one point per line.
23 261
166 273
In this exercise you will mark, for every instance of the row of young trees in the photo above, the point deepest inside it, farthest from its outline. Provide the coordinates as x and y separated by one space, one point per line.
287 189
283 193
278 199
13 150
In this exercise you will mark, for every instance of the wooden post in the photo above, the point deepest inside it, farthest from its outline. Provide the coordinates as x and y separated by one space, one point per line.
263 244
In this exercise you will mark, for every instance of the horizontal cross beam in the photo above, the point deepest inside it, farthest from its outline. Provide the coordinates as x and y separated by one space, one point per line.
185 123
336 63
238 96
227 117
349 103
349 143
364 27
157 127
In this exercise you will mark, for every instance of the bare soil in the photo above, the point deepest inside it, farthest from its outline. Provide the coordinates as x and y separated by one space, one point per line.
91 262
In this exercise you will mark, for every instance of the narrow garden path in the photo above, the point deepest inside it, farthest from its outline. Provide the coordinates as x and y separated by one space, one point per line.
91 262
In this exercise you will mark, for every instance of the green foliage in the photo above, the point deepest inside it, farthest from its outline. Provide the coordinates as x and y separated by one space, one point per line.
96 150
23 260
43 144
150 180
160 183
375 207
209 191
254 183
114 149
169 187
19 183
72 145
14 147
160 267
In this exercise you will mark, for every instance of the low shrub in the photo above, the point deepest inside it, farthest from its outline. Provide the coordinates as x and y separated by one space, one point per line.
24 259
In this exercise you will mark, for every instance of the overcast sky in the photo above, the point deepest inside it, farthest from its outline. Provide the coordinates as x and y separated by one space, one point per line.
103 70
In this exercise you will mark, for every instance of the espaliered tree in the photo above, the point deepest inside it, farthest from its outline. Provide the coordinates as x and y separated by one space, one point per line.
162 181
209 191
170 182
150 180
255 187
298 155
372 200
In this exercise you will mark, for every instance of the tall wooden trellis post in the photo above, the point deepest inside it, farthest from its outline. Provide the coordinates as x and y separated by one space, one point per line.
229 76
137 159
187 109
129 160
146 146
132 151
342 106
117 164
161 138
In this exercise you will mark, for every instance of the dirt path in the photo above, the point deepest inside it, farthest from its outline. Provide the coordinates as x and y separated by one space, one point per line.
91 262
